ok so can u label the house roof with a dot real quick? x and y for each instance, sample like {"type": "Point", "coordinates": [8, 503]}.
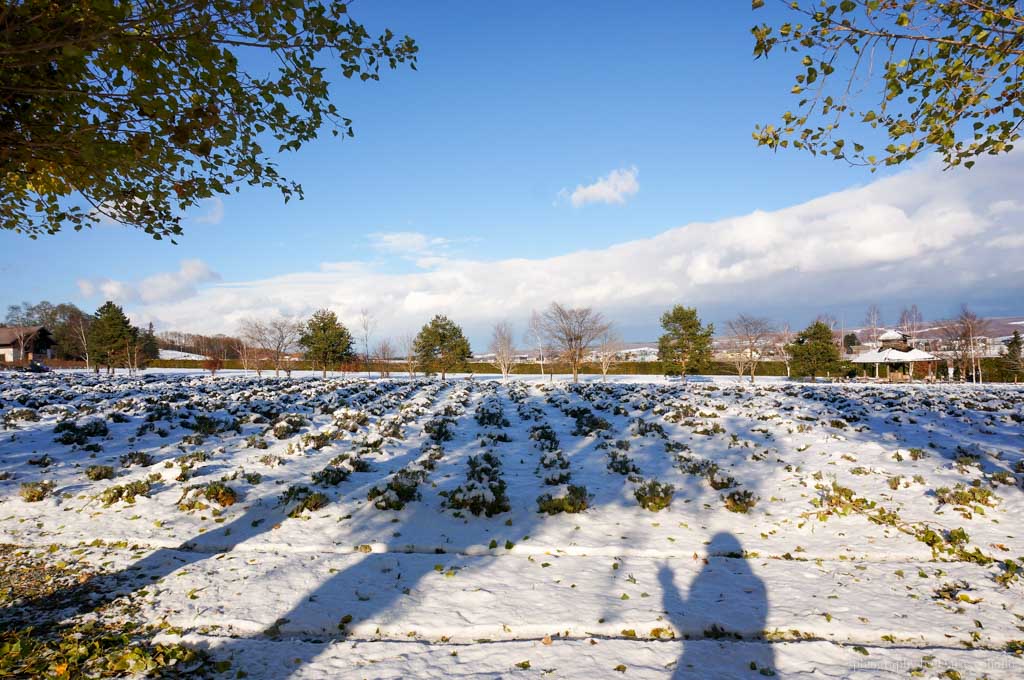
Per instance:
{"type": "Point", "coordinates": [891, 335]}
{"type": "Point", "coordinates": [12, 334]}
{"type": "Point", "coordinates": [892, 356]}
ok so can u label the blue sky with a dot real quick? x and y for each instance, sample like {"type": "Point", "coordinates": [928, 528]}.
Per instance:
{"type": "Point", "coordinates": [477, 153]}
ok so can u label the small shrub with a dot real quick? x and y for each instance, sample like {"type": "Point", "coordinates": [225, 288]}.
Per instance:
{"type": "Point", "coordinates": [98, 472]}
{"type": "Point", "coordinates": [402, 488]}
{"type": "Point", "coordinates": [654, 495]}
{"type": "Point", "coordinates": [740, 500]}
{"type": "Point", "coordinates": [307, 499]}
{"type": "Point", "coordinates": [965, 495]}
{"type": "Point", "coordinates": [330, 476]}
{"type": "Point", "coordinates": [220, 493]}
{"type": "Point", "coordinates": [140, 458]}
{"type": "Point", "coordinates": [33, 492]}
{"type": "Point", "coordinates": [575, 500]}
{"type": "Point", "coordinates": [254, 441]}
{"type": "Point", "coordinates": [126, 492]}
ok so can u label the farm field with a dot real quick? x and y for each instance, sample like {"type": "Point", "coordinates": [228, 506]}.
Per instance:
{"type": "Point", "coordinates": [345, 527]}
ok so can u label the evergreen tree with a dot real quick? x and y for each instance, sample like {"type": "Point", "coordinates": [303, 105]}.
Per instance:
{"type": "Point", "coordinates": [441, 346]}
{"type": "Point", "coordinates": [1014, 358]}
{"type": "Point", "coordinates": [850, 340]}
{"type": "Point", "coordinates": [686, 343]}
{"type": "Point", "coordinates": [111, 336]}
{"type": "Point", "coordinates": [326, 340]}
{"type": "Point", "coordinates": [148, 346]}
{"type": "Point", "coordinates": [813, 351]}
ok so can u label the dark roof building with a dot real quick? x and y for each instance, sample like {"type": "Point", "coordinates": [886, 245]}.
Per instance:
{"type": "Point", "coordinates": [18, 343]}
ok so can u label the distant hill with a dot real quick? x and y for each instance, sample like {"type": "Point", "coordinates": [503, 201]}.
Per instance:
{"type": "Point", "coordinates": [173, 354]}
{"type": "Point", "coordinates": [998, 327]}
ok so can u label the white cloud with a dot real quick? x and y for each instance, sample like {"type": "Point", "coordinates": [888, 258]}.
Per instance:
{"type": "Point", "coordinates": [615, 187]}
{"type": "Point", "coordinates": [158, 288]}
{"type": "Point", "coordinates": [404, 242]}
{"type": "Point", "coordinates": [215, 215]}
{"type": "Point", "coordinates": [917, 236]}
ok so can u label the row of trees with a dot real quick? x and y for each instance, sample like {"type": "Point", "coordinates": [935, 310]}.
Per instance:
{"type": "Point", "coordinates": [571, 336]}
{"type": "Point", "coordinates": [105, 338]}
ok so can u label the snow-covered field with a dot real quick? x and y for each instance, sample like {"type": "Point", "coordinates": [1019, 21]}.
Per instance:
{"type": "Point", "coordinates": [391, 528]}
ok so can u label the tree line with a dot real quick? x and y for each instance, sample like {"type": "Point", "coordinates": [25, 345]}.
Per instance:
{"type": "Point", "coordinates": [102, 339]}
{"type": "Point", "coordinates": [572, 336]}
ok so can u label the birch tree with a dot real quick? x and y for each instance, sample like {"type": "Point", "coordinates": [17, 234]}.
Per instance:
{"type": "Point", "coordinates": [781, 341]}
{"type": "Point", "coordinates": [872, 321]}
{"type": "Point", "coordinates": [407, 346]}
{"type": "Point", "coordinates": [367, 324]}
{"type": "Point", "coordinates": [609, 347]}
{"type": "Point", "coordinates": [503, 348]}
{"type": "Point", "coordinates": [536, 338]}
{"type": "Point", "coordinates": [911, 322]}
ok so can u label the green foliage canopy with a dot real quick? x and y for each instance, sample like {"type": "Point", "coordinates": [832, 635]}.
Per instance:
{"type": "Point", "coordinates": [327, 341]}
{"type": "Point", "coordinates": [136, 111]}
{"type": "Point", "coordinates": [1014, 359]}
{"type": "Point", "coordinates": [686, 343]}
{"type": "Point", "coordinates": [441, 346]}
{"type": "Point", "coordinates": [111, 335]}
{"type": "Point", "coordinates": [932, 75]}
{"type": "Point", "coordinates": [813, 352]}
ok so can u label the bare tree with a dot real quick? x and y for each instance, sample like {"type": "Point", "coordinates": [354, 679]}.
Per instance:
{"type": "Point", "coordinates": [503, 348]}
{"type": "Point", "coordinates": [608, 350]}
{"type": "Point", "coordinates": [407, 345]}
{"type": "Point", "coordinates": [80, 330]}
{"type": "Point", "coordinates": [383, 354]}
{"type": "Point", "coordinates": [911, 322]}
{"type": "Point", "coordinates": [254, 337]}
{"type": "Point", "coordinates": [873, 321]}
{"type": "Point", "coordinates": [535, 336]}
{"type": "Point", "coordinates": [572, 331]}
{"type": "Point", "coordinates": [279, 337]}
{"type": "Point", "coordinates": [781, 341]}
{"type": "Point", "coordinates": [367, 324]}
{"type": "Point", "coordinates": [961, 335]}
{"type": "Point", "coordinates": [749, 334]}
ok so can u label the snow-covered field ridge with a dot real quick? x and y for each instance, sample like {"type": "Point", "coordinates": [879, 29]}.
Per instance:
{"type": "Point", "coordinates": [353, 528]}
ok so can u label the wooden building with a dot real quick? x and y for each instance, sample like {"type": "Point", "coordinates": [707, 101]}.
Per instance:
{"type": "Point", "coordinates": [21, 343]}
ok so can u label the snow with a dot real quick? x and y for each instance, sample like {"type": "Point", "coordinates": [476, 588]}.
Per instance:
{"type": "Point", "coordinates": [801, 585]}
{"type": "Point", "coordinates": [173, 354]}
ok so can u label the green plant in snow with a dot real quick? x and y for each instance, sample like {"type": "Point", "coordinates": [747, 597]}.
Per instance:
{"type": "Point", "coordinates": [654, 495]}
{"type": "Point", "coordinates": [98, 472]}
{"type": "Point", "coordinates": [126, 492]}
{"type": "Point", "coordinates": [739, 500]}
{"type": "Point", "coordinates": [33, 492]}
{"type": "Point", "coordinates": [575, 500]}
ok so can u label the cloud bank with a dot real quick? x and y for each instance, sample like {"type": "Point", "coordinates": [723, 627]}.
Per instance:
{"type": "Point", "coordinates": [918, 236]}
{"type": "Point", "coordinates": [159, 288]}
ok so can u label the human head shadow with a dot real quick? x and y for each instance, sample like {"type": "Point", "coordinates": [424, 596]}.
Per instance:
{"type": "Point", "coordinates": [725, 602]}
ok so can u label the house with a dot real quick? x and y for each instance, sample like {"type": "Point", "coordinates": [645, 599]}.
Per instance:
{"type": "Point", "coordinates": [18, 343]}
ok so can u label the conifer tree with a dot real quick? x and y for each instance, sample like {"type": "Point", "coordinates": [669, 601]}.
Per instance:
{"type": "Point", "coordinates": [110, 336]}
{"type": "Point", "coordinates": [441, 346]}
{"type": "Point", "coordinates": [813, 351]}
{"type": "Point", "coordinates": [686, 344]}
{"type": "Point", "coordinates": [1014, 358]}
{"type": "Point", "coordinates": [326, 340]}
